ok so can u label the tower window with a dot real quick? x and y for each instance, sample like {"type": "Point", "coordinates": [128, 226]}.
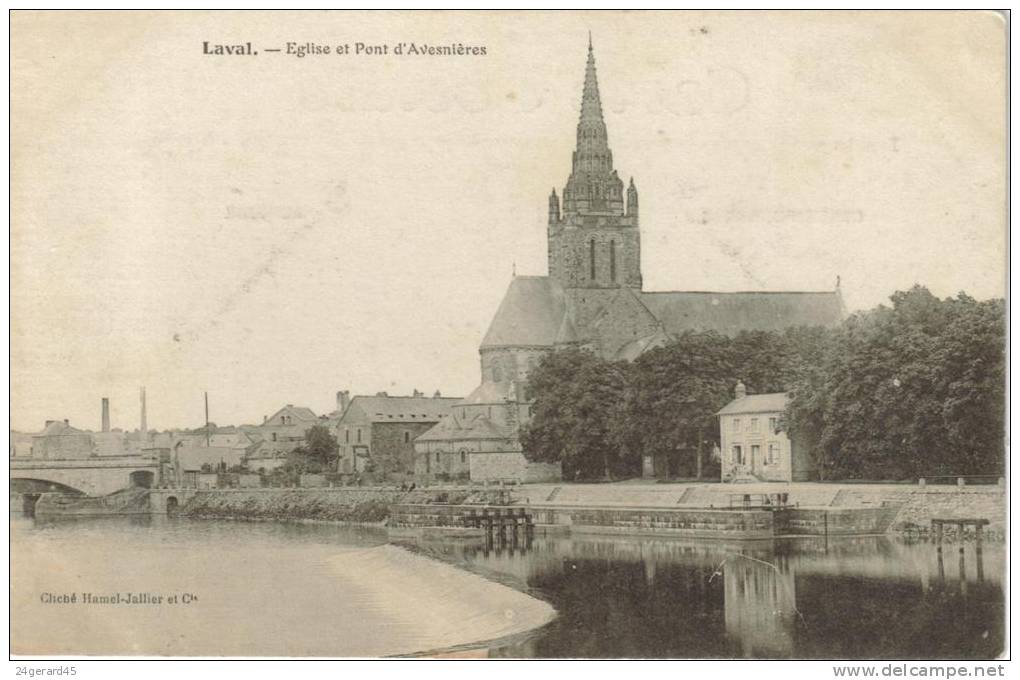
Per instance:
{"type": "Point", "coordinates": [612, 261]}
{"type": "Point", "coordinates": [591, 256]}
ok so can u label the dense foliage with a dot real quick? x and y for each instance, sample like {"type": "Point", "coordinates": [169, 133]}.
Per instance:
{"type": "Point", "coordinates": [912, 390]}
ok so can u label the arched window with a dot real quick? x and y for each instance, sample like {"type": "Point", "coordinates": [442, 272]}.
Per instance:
{"type": "Point", "coordinates": [591, 257]}
{"type": "Point", "coordinates": [463, 455]}
{"type": "Point", "coordinates": [612, 261]}
{"type": "Point", "coordinates": [407, 436]}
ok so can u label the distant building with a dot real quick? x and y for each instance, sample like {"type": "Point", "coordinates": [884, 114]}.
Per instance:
{"type": "Point", "coordinates": [752, 445]}
{"type": "Point", "coordinates": [379, 432]}
{"type": "Point", "coordinates": [60, 441]}
{"type": "Point", "coordinates": [189, 462]}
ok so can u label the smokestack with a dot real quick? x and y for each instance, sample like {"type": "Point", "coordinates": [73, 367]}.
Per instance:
{"type": "Point", "coordinates": [207, 419]}
{"type": "Point", "coordinates": [343, 398]}
{"type": "Point", "coordinates": [145, 428]}
{"type": "Point", "coordinates": [106, 414]}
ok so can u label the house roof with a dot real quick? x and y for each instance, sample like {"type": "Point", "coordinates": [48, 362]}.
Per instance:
{"type": "Point", "coordinates": [301, 412]}
{"type": "Point", "coordinates": [59, 428]}
{"type": "Point", "coordinates": [397, 409]}
{"type": "Point", "coordinates": [530, 314]}
{"type": "Point", "coordinates": [730, 313]}
{"type": "Point", "coordinates": [757, 403]}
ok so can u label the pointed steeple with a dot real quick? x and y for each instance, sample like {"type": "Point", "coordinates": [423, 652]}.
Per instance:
{"type": "Point", "coordinates": [593, 186]}
{"type": "Point", "coordinates": [591, 104]}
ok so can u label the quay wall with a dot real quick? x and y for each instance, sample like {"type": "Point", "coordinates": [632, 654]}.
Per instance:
{"type": "Point", "coordinates": [342, 504]}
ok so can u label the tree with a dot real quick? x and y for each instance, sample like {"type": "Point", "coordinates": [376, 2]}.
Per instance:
{"type": "Point", "coordinates": [321, 445]}
{"type": "Point", "coordinates": [915, 389]}
{"type": "Point", "coordinates": [576, 395]}
{"type": "Point", "coordinates": [675, 392]}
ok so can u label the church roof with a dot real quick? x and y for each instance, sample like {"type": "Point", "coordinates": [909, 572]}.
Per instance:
{"type": "Point", "coordinates": [530, 314]}
{"type": "Point", "coordinates": [488, 393]}
{"type": "Point", "coordinates": [472, 427]}
{"type": "Point", "coordinates": [730, 313]}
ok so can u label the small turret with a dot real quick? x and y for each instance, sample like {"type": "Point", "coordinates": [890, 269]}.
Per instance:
{"type": "Point", "coordinates": [632, 202]}
{"type": "Point", "coordinates": [554, 208]}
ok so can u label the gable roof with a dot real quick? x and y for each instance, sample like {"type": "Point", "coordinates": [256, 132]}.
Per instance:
{"type": "Point", "coordinates": [730, 313]}
{"type": "Point", "coordinates": [530, 314]}
{"type": "Point", "coordinates": [301, 412]}
{"type": "Point", "coordinates": [380, 409]}
{"type": "Point", "coordinates": [472, 427]}
{"type": "Point", "coordinates": [757, 403]}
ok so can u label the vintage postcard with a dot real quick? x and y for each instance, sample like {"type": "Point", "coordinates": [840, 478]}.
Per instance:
{"type": "Point", "coordinates": [633, 334]}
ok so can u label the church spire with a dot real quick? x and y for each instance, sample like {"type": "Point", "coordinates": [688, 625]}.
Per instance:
{"type": "Point", "coordinates": [593, 186]}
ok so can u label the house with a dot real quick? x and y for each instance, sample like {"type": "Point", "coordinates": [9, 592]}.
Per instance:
{"type": "Point", "coordinates": [285, 430]}
{"type": "Point", "coordinates": [753, 447]}
{"type": "Point", "coordinates": [378, 433]}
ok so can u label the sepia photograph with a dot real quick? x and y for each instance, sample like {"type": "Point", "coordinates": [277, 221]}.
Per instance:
{"type": "Point", "coordinates": [510, 335]}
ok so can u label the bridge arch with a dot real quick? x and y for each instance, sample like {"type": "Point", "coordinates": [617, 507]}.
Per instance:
{"type": "Point", "coordinates": [29, 485]}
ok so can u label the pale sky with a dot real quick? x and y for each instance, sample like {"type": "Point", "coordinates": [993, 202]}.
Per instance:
{"type": "Point", "coordinates": [274, 229]}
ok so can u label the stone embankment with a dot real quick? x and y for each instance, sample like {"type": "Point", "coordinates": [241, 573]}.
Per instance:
{"type": "Point", "coordinates": [362, 505]}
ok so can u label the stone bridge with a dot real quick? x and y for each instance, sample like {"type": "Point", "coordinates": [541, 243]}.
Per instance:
{"type": "Point", "coordinates": [91, 476]}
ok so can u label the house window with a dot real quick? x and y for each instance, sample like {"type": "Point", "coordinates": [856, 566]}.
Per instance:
{"type": "Point", "coordinates": [274, 436]}
{"type": "Point", "coordinates": [736, 424]}
{"type": "Point", "coordinates": [755, 453]}
{"type": "Point", "coordinates": [463, 456]}
{"type": "Point", "coordinates": [359, 435]}
{"type": "Point", "coordinates": [612, 261]}
{"type": "Point", "coordinates": [773, 425]}
{"type": "Point", "coordinates": [738, 455]}
{"type": "Point", "coordinates": [754, 424]}
{"type": "Point", "coordinates": [407, 436]}
{"type": "Point", "coordinates": [347, 435]}
{"type": "Point", "coordinates": [773, 452]}
{"type": "Point", "coordinates": [591, 257]}
{"type": "Point", "coordinates": [437, 457]}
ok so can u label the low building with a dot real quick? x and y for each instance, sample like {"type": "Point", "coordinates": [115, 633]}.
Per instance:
{"type": "Point", "coordinates": [378, 433]}
{"type": "Point", "coordinates": [753, 445]}
{"type": "Point", "coordinates": [190, 462]}
{"type": "Point", "coordinates": [478, 442]}
{"type": "Point", "coordinates": [60, 441]}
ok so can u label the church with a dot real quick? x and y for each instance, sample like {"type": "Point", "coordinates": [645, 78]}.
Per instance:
{"type": "Point", "coordinates": [592, 298]}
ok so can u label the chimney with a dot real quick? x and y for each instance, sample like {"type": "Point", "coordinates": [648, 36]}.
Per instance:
{"type": "Point", "coordinates": [343, 398]}
{"type": "Point", "coordinates": [416, 393]}
{"type": "Point", "coordinates": [437, 395]}
{"type": "Point", "coordinates": [264, 419]}
{"type": "Point", "coordinates": [144, 425]}
{"type": "Point", "coordinates": [106, 414]}
{"type": "Point", "coordinates": [66, 422]}
{"type": "Point", "coordinates": [740, 390]}
{"type": "Point", "coordinates": [381, 394]}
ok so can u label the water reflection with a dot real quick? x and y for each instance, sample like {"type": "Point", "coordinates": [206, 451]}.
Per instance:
{"type": "Point", "coordinates": [854, 598]}
{"type": "Point", "coordinates": [867, 597]}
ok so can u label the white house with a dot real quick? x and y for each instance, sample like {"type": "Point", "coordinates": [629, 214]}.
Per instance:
{"type": "Point", "coordinates": [752, 443]}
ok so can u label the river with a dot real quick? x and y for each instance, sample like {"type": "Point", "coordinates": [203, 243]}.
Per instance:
{"type": "Point", "coordinates": [275, 589]}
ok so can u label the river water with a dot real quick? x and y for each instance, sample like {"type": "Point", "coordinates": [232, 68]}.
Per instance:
{"type": "Point", "coordinates": [268, 589]}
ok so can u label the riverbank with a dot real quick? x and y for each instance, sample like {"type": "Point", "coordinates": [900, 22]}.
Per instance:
{"type": "Point", "coordinates": [906, 509]}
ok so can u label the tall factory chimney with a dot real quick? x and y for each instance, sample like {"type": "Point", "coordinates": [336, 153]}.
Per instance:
{"type": "Point", "coordinates": [207, 419]}
{"type": "Point", "coordinates": [106, 414]}
{"type": "Point", "coordinates": [144, 425]}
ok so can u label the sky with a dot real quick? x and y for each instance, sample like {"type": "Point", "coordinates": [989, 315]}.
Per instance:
{"type": "Point", "coordinates": [273, 229]}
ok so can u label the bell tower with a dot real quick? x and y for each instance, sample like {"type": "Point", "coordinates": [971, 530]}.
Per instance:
{"type": "Point", "coordinates": [594, 241]}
